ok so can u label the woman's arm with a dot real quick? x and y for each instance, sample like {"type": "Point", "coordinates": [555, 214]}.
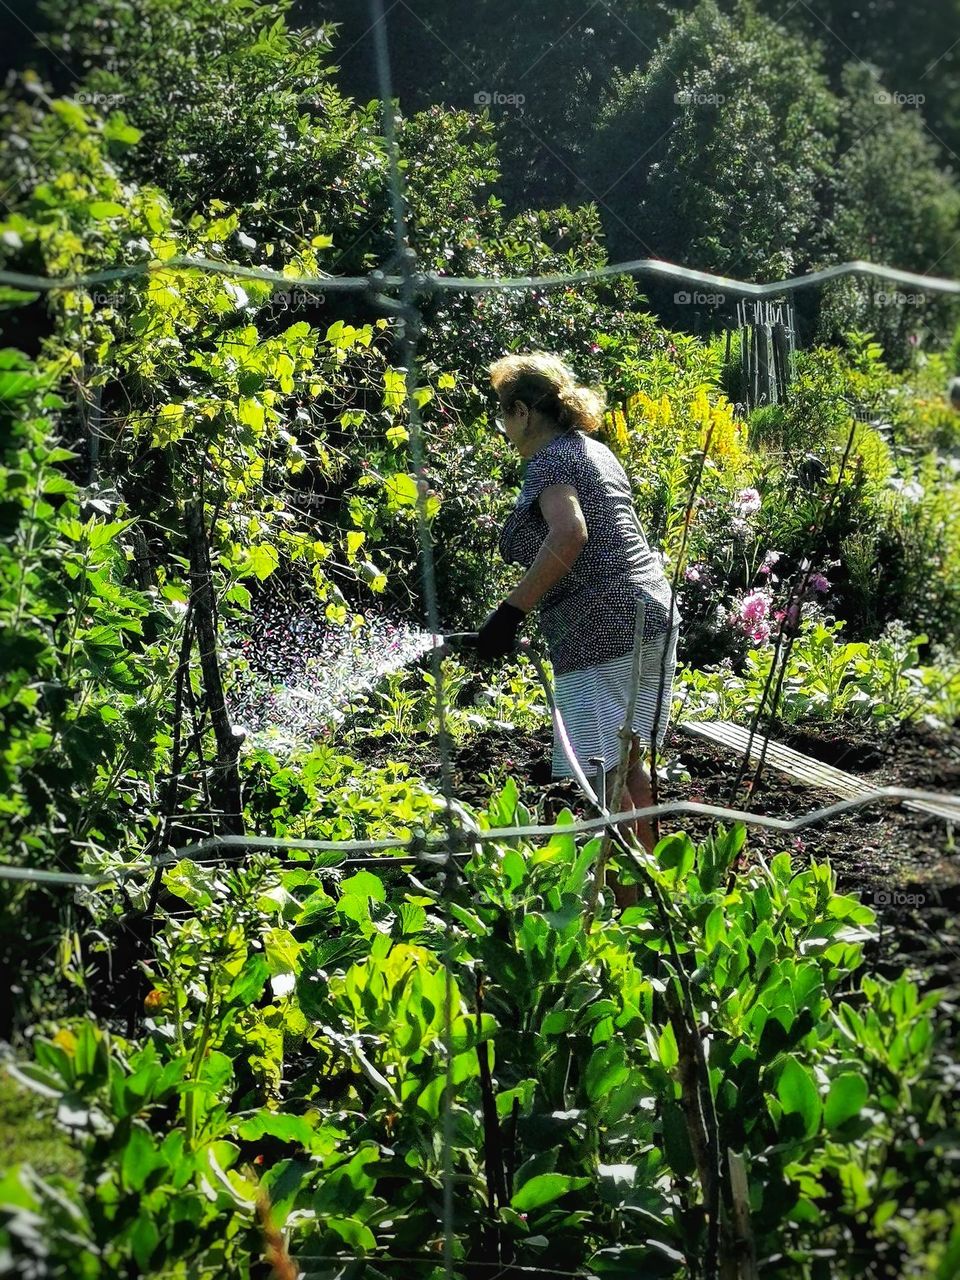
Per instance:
{"type": "Point", "coordinates": [565, 540]}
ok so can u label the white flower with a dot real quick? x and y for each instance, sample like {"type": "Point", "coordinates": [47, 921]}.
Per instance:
{"type": "Point", "coordinates": [747, 502]}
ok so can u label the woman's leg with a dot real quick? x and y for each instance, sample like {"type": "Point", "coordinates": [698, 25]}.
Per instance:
{"type": "Point", "coordinates": [635, 795]}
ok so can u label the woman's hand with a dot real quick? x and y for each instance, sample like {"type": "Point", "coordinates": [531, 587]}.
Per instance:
{"type": "Point", "coordinates": [498, 635]}
{"type": "Point", "coordinates": [567, 535]}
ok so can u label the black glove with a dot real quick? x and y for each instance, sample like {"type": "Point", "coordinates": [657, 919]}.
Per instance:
{"type": "Point", "coordinates": [498, 635]}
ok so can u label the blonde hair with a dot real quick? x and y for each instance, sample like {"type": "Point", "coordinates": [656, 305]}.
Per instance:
{"type": "Point", "coordinates": [544, 381]}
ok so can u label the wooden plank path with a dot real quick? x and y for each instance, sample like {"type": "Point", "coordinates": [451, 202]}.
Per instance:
{"type": "Point", "coordinates": [796, 765]}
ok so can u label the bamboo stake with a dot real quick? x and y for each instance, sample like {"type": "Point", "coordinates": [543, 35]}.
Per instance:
{"type": "Point", "coordinates": [740, 1262]}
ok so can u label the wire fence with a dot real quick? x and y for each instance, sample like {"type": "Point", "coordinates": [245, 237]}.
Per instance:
{"type": "Point", "coordinates": [377, 282]}
{"type": "Point", "coordinates": [463, 837]}
{"type": "Point", "coordinates": [436, 850]}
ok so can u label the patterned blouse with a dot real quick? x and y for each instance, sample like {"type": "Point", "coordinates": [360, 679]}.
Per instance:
{"type": "Point", "coordinates": [589, 615]}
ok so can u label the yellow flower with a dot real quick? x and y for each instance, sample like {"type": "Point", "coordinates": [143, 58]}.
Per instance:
{"type": "Point", "coordinates": [155, 1000]}
{"type": "Point", "coordinates": [65, 1040]}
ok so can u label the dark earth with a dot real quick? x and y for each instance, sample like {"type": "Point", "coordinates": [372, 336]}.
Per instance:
{"type": "Point", "coordinates": [904, 864]}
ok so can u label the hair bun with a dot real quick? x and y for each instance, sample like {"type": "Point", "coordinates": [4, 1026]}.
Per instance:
{"type": "Point", "coordinates": [581, 408]}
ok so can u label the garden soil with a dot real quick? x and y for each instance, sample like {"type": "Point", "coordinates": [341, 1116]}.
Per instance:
{"type": "Point", "coordinates": [904, 864]}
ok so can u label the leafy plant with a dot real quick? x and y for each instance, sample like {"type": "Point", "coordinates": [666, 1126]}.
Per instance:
{"type": "Point", "coordinates": [880, 680]}
{"type": "Point", "coordinates": [348, 1046]}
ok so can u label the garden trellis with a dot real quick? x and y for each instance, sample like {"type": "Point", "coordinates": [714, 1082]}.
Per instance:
{"type": "Point", "coordinates": [397, 290]}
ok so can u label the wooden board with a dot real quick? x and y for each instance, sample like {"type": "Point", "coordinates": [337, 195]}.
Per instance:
{"type": "Point", "coordinates": [804, 768]}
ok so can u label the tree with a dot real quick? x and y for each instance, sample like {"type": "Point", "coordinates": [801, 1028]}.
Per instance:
{"type": "Point", "coordinates": [913, 47]}
{"type": "Point", "coordinates": [890, 203]}
{"type": "Point", "coordinates": [551, 65]}
{"type": "Point", "coordinates": [715, 156]}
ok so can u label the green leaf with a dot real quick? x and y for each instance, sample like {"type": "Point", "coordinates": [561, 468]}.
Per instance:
{"type": "Point", "coordinates": [616, 1181]}
{"type": "Point", "coordinates": [188, 881]}
{"type": "Point", "coordinates": [286, 1128]}
{"type": "Point", "coordinates": [238, 594]}
{"type": "Point", "coordinates": [715, 928]}
{"type": "Point", "coordinates": [676, 853]}
{"type": "Point", "coordinates": [847, 1095]}
{"type": "Point", "coordinates": [140, 1157]}
{"type": "Point", "coordinates": [366, 885]}
{"type": "Point", "coordinates": [352, 1232]}
{"type": "Point", "coordinates": [544, 1190]}
{"type": "Point", "coordinates": [72, 113]}
{"type": "Point", "coordinates": [13, 385]}
{"type": "Point", "coordinates": [250, 981]}
{"type": "Point", "coordinates": [345, 1188]}
{"type": "Point", "coordinates": [401, 491]}
{"type": "Point", "coordinates": [667, 1048]}
{"type": "Point", "coordinates": [117, 130]}
{"type": "Point", "coordinates": [577, 874]}
{"type": "Point", "coordinates": [144, 1238]}
{"type": "Point", "coordinates": [103, 209]}
{"type": "Point", "coordinates": [263, 559]}
{"type": "Point", "coordinates": [282, 952]}
{"type": "Point", "coordinates": [394, 388]}
{"type": "Point", "coordinates": [606, 1069]}
{"type": "Point", "coordinates": [282, 1182]}
{"type": "Point", "coordinates": [798, 1094]}
{"type": "Point", "coordinates": [15, 297]}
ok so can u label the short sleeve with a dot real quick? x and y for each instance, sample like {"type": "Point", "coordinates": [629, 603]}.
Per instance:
{"type": "Point", "coordinates": [553, 465]}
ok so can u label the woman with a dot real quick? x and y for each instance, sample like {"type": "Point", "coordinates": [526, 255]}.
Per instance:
{"type": "Point", "coordinates": [588, 565]}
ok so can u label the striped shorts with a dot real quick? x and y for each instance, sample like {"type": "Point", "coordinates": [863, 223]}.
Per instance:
{"type": "Point", "coordinates": [593, 704]}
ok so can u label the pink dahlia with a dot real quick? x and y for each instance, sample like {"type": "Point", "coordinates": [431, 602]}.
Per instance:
{"type": "Point", "coordinates": [755, 607]}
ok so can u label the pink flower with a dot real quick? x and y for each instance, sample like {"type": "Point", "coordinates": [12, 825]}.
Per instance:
{"type": "Point", "coordinates": [755, 607]}
{"type": "Point", "coordinates": [691, 574]}
{"type": "Point", "coordinates": [819, 582]}
{"type": "Point", "coordinates": [760, 633]}
{"type": "Point", "coordinates": [746, 502]}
